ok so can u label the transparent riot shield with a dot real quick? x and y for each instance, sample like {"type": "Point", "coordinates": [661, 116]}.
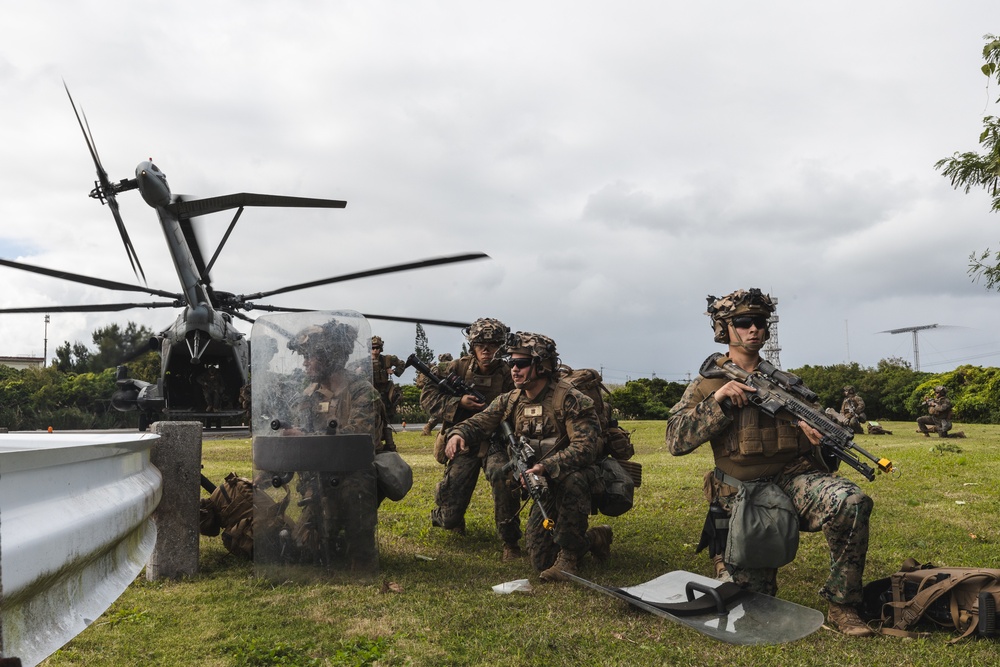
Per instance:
{"type": "Point", "coordinates": [315, 427]}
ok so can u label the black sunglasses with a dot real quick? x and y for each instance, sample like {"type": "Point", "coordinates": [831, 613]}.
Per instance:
{"type": "Point", "coordinates": [520, 362]}
{"type": "Point", "coordinates": [744, 322]}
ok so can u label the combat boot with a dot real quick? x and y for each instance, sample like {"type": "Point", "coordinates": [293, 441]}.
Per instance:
{"type": "Point", "coordinates": [600, 538]}
{"type": "Point", "coordinates": [564, 562]}
{"type": "Point", "coordinates": [511, 552]}
{"type": "Point", "coordinates": [844, 618]}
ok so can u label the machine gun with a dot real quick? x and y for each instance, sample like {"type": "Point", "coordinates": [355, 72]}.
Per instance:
{"type": "Point", "coordinates": [781, 392]}
{"type": "Point", "coordinates": [452, 384]}
{"type": "Point", "coordinates": [522, 456]}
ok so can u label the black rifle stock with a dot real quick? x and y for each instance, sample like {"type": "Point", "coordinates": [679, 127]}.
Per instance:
{"type": "Point", "coordinates": [781, 392]}
{"type": "Point", "coordinates": [522, 455]}
{"type": "Point", "coordinates": [452, 384]}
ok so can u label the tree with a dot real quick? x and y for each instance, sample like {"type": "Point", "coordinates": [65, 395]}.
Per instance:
{"type": "Point", "coordinates": [113, 346]}
{"type": "Point", "coordinates": [971, 169]}
{"type": "Point", "coordinates": [421, 348]}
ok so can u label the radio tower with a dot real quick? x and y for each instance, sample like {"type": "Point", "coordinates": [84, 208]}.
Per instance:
{"type": "Point", "coordinates": [772, 349]}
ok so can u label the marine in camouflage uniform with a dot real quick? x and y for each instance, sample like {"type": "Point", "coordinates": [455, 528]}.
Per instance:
{"type": "Point", "coordinates": [491, 377]}
{"type": "Point", "coordinates": [940, 410]}
{"type": "Point", "coordinates": [444, 360]}
{"type": "Point", "coordinates": [333, 393]}
{"type": "Point", "coordinates": [853, 410]}
{"type": "Point", "coordinates": [750, 445]}
{"type": "Point", "coordinates": [567, 441]}
{"type": "Point", "coordinates": [382, 366]}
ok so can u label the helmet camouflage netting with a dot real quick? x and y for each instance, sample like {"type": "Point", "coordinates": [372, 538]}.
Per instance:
{"type": "Point", "coordinates": [537, 346]}
{"type": "Point", "coordinates": [740, 302]}
{"type": "Point", "coordinates": [486, 330]}
{"type": "Point", "coordinates": [333, 341]}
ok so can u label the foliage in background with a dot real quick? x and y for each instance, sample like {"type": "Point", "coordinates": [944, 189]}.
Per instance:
{"type": "Point", "coordinates": [112, 346]}
{"type": "Point", "coordinates": [645, 398]}
{"type": "Point", "coordinates": [974, 170]}
{"type": "Point", "coordinates": [886, 389]}
{"type": "Point", "coordinates": [422, 348]}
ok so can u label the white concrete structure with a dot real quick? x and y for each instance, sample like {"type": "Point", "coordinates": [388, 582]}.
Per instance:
{"type": "Point", "coordinates": [75, 531]}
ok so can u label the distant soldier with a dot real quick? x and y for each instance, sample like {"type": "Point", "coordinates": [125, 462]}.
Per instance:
{"type": "Point", "coordinates": [213, 388]}
{"type": "Point", "coordinates": [853, 410]}
{"type": "Point", "coordinates": [940, 409]}
{"type": "Point", "coordinates": [443, 361]}
{"type": "Point", "coordinates": [382, 365]}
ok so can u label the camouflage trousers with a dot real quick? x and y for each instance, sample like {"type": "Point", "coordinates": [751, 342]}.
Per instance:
{"type": "Point", "coordinates": [568, 505]}
{"type": "Point", "coordinates": [837, 507]}
{"type": "Point", "coordinates": [339, 518]}
{"type": "Point", "coordinates": [454, 493]}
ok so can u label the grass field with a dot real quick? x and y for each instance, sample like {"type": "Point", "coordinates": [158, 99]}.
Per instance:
{"type": "Point", "coordinates": [433, 602]}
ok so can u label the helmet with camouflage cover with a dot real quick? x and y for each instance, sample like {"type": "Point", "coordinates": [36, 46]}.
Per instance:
{"type": "Point", "coordinates": [741, 302]}
{"type": "Point", "coordinates": [377, 342]}
{"type": "Point", "coordinates": [331, 343]}
{"type": "Point", "coordinates": [541, 348]}
{"type": "Point", "coordinates": [445, 356]}
{"type": "Point", "coordinates": [848, 390]}
{"type": "Point", "coordinates": [486, 330]}
{"type": "Point", "coordinates": [941, 390]}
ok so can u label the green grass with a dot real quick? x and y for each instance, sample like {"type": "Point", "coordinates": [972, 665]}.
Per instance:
{"type": "Point", "coordinates": [943, 509]}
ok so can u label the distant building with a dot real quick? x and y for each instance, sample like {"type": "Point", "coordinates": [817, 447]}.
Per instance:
{"type": "Point", "coordinates": [23, 362]}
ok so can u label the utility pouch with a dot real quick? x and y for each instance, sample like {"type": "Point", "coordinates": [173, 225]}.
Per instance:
{"type": "Point", "coordinates": [763, 527]}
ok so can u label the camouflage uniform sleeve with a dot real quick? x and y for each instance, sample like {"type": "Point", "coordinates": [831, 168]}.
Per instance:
{"type": "Point", "coordinates": [583, 429]}
{"type": "Point", "coordinates": [481, 425]}
{"type": "Point", "coordinates": [439, 403]}
{"type": "Point", "coordinates": [367, 412]}
{"type": "Point", "coordinates": [397, 364]}
{"type": "Point", "coordinates": [695, 419]}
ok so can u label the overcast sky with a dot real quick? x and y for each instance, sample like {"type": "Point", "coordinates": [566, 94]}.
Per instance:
{"type": "Point", "coordinates": [617, 161]}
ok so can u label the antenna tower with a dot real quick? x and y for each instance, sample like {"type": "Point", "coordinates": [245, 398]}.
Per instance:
{"type": "Point", "coordinates": [916, 347]}
{"type": "Point", "coordinates": [772, 349]}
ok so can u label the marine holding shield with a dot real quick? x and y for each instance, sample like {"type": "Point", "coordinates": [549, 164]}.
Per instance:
{"type": "Point", "coordinates": [759, 454]}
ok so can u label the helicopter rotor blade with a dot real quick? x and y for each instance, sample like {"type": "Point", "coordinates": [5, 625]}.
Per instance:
{"type": "Point", "coordinates": [388, 318]}
{"type": "Point", "coordinates": [87, 280]}
{"type": "Point", "coordinates": [90, 308]}
{"type": "Point", "coordinates": [105, 191]}
{"type": "Point", "coordinates": [371, 272]}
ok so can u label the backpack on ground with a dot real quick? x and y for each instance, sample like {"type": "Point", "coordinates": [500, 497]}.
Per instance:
{"type": "Point", "coordinates": [229, 510]}
{"type": "Point", "coordinates": [961, 599]}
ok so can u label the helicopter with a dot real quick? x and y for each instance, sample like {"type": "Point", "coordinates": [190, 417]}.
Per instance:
{"type": "Point", "coordinates": [202, 353]}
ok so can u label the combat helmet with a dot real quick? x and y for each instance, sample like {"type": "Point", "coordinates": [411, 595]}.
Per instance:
{"type": "Point", "coordinates": [741, 302]}
{"type": "Point", "coordinates": [377, 342]}
{"type": "Point", "coordinates": [849, 390]}
{"type": "Point", "coordinates": [486, 330]}
{"type": "Point", "coordinates": [331, 343]}
{"type": "Point", "coordinates": [941, 390]}
{"type": "Point", "coordinates": [445, 356]}
{"type": "Point", "coordinates": [541, 348]}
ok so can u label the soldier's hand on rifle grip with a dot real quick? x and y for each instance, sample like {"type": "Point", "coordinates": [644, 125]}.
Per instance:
{"type": "Point", "coordinates": [455, 444]}
{"type": "Point", "coordinates": [815, 437]}
{"type": "Point", "coordinates": [470, 403]}
{"type": "Point", "coordinates": [735, 391]}
{"type": "Point", "coordinates": [537, 470]}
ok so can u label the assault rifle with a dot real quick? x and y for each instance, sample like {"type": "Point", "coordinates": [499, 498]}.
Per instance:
{"type": "Point", "coordinates": [452, 384]}
{"type": "Point", "coordinates": [781, 392]}
{"type": "Point", "coordinates": [522, 456]}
